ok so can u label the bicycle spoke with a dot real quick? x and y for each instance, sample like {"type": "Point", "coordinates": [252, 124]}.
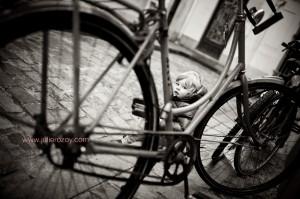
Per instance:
{"type": "Point", "coordinates": [122, 80]}
{"type": "Point", "coordinates": [93, 86]}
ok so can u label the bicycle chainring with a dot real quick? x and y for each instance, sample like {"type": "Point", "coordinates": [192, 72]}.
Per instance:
{"type": "Point", "coordinates": [180, 159]}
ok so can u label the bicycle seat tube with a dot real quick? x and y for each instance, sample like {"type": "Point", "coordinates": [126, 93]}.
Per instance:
{"type": "Point", "coordinates": [163, 38]}
{"type": "Point", "coordinates": [245, 117]}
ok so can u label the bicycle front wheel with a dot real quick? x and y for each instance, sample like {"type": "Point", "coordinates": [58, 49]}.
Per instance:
{"type": "Point", "coordinates": [42, 97]}
{"type": "Point", "coordinates": [221, 133]}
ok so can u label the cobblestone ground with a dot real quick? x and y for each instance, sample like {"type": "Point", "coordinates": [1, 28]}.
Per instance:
{"type": "Point", "coordinates": [25, 173]}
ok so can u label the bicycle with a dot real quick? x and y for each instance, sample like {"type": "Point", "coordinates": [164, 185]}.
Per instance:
{"type": "Point", "coordinates": [128, 47]}
{"type": "Point", "coordinates": [277, 116]}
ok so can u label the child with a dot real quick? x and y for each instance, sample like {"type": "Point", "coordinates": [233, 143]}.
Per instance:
{"type": "Point", "coordinates": [188, 88]}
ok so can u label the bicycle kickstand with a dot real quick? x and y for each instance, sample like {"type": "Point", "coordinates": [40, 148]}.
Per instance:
{"type": "Point", "coordinates": [186, 188]}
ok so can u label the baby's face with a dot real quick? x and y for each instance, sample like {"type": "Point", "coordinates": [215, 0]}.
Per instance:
{"type": "Point", "coordinates": [181, 91]}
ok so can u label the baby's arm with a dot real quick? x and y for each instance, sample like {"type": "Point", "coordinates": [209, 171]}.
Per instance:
{"type": "Point", "coordinates": [183, 122]}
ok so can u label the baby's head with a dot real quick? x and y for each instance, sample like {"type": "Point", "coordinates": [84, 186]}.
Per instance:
{"type": "Point", "coordinates": [187, 85]}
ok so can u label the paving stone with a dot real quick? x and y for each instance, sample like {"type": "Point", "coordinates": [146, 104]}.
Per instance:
{"type": "Point", "coordinates": [11, 183]}
{"type": "Point", "coordinates": [29, 84]}
{"type": "Point", "coordinates": [21, 95]}
{"type": "Point", "coordinates": [50, 182]}
{"type": "Point", "coordinates": [5, 124]}
{"type": "Point", "coordinates": [205, 193]}
{"type": "Point", "coordinates": [117, 118]}
{"type": "Point", "coordinates": [33, 108]}
{"type": "Point", "coordinates": [13, 149]}
{"type": "Point", "coordinates": [7, 103]}
{"type": "Point", "coordinates": [6, 81]}
{"type": "Point", "coordinates": [18, 139]}
{"type": "Point", "coordinates": [10, 69]}
{"type": "Point", "coordinates": [23, 54]}
{"type": "Point", "coordinates": [6, 55]}
{"type": "Point", "coordinates": [6, 166]}
{"type": "Point", "coordinates": [104, 191]}
{"type": "Point", "coordinates": [4, 132]}
{"type": "Point", "coordinates": [34, 75]}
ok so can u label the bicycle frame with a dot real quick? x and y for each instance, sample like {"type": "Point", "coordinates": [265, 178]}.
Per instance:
{"type": "Point", "coordinates": [205, 103]}
{"type": "Point", "coordinates": [223, 82]}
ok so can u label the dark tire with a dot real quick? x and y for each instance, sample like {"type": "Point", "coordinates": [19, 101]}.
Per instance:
{"type": "Point", "coordinates": [255, 110]}
{"type": "Point", "coordinates": [219, 124]}
{"type": "Point", "coordinates": [26, 24]}
{"type": "Point", "coordinates": [272, 125]}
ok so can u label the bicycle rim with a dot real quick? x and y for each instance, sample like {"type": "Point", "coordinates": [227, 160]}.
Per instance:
{"type": "Point", "coordinates": [221, 121]}
{"type": "Point", "coordinates": [101, 43]}
{"type": "Point", "coordinates": [272, 125]}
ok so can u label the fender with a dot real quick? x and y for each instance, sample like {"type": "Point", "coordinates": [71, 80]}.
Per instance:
{"type": "Point", "coordinates": [12, 19]}
{"type": "Point", "coordinates": [270, 79]}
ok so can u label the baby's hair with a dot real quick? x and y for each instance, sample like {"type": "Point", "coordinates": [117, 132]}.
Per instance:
{"type": "Point", "coordinates": [192, 79]}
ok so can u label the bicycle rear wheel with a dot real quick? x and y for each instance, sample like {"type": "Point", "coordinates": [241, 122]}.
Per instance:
{"type": "Point", "coordinates": [103, 43]}
{"type": "Point", "coordinates": [255, 110]}
{"type": "Point", "coordinates": [221, 133]}
{"type": "Point", "coordinates": [273, 127]}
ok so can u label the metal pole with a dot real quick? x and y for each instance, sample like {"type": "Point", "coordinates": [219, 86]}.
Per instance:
{"type": "Point", "coordinates": [167, 85]}
{"type": "Point", "coordinates": [76, 64]}
{"type": "Point", "coordinates": [45, 62]}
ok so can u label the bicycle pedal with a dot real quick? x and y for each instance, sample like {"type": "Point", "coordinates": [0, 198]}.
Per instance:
{"type": "Point", "coordinates": [138, 107]}
{"type": "Point", "coordinates": [138, 102]}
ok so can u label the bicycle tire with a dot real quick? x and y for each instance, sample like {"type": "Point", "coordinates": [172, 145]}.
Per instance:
{"type": "Point", "coordinates": [57, 15]}
{"type": "Point", "coordinates": [221, 175]}
{"type": "Point", "coordinates": [273, 128]}
{"type": "Point", "coordinates": [255, 109]}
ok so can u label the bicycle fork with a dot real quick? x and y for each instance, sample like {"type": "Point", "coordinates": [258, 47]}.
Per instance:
{"type": "Point", "coordinates": [243, 109]}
